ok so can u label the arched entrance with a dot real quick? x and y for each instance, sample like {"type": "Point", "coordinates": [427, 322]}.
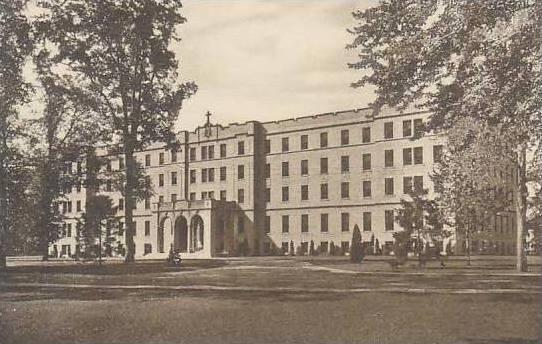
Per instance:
{"type": "Point", "coordinates": [165, 225]}
{"type": "Point", "coordinates": [180, 237]}
{"type": "Point", "coordinates": [196, 233]}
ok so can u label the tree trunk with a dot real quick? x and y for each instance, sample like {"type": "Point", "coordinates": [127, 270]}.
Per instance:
{"type": "Point", "coordinates": [520, 205]}
{"type": "Point", "coordinates": [129, 202]}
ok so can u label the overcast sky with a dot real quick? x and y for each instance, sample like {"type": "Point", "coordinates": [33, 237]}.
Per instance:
{"type": "Point", "coordinates": [267, 59]}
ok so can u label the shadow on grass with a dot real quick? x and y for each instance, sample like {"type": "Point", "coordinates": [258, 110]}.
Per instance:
{"type": "Point", "coordinates": [24, 294]}
{"type": "Point", "coordinates": [502, 341]}
{"type": "Point", "coordinates": [114, 268]}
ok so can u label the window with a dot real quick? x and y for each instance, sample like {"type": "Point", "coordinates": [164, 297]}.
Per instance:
{"type": "Point", "coordinates": [173, 198]}
{"type": "Point", "coordinates": [268, 195]}
{"type": "Point", "coordinates": [388, 158]}
{"type": "Point", "coordinates": [161, 158]}
{"type": "Point", "coordinates": [407, 128]}
{"type": "Point", "coordinates": [241, 148]}
{"type": "Point", "coordinates": [223, 173]}
{"type": "Point", "coordinates": [192, 154]}
{"type": "Point", "coordinates": [304, 167]}
{"type": "Point", "coordinates": [147, 203]}
{"type": "Point", "coordinates": [80, 166]}
{"type": "Point", "coordinates": [388, 186]}
{"type": "Point", "coordinates": [418, 127]}
{"type": "Point", "coordinates": [345, 222]}
{"type": "Point", "coordinates": [267, 171]}
{"type": "Point", "coordinates": [78, 206]}
{"type": "Point", "coordinates": [211, 152]}
{"type": "Point", "coordinates": [345, 164]}
{"type": "Point", "coordinates": [192, 196]}
{"type": "Point", "coordinates": [147, 228]}
{"type": "Point", "coordinates": [304, 223]}
{"type": "Point", "coordinates": [160, 180]}
{"type": "Point", "coordinates": [241, 195]}
{"type": "Point", "coordinates": [285, 169]}
{"type": "Point", "coordinates": [324, 223]}
{"type": "Point", "coordinates": [418, 155]}
{"type": "Point", "coordinates": [324, 245]}
{"type": "Point", "coordinates": [223, 150]}
{"type": "Point", "coordinates": [323, 166]}
{"type": "Point", "coordinates": [323, 191]}
{"type": "Point", "coordinates": [285, 194]}
{"type": "Point", "coordinates": [192, 176]}
{"type": "Point", "coordinates": [285, 144]}
{"type": "Point", "coordinates": [268, 224]}
{"type": "Point", "coordinates": [407, 185]}
{"type": "Point", "coordinates": [134, 226]}
{"type": "Point", "coordinates": [366, 161]}
{"type": "Point", "coordinates": [108, 167]}
{"type": "Point", "coordinates": [121, 164]}
{"type": "Point", "coordinates": [211, 175]}
{"type": "Point", "coordinates": [78, 187]}
{"type": "Point", "coordinates": [367, 221]}
{"type": "Point", "coordinates": [366, 135]}
{"type": "Point", "coordinates": [173, 178]}
{"type": "Point", "coordinates": [323, 140]}
{"type": "Point", "coordinates": [388, 220]}
{"type": "Point", "coordinates": [173, 155]}
{"type": "Point", "coordinates": [211, 195]}
{"type": "Point", "coordinates": [285, 223]}
{"type": "Point", "coordinates": [388, 130]}
{"type": "Point", "coordinates": [121, 204]}
{"type": "Point", "coordinates": [267, 146]}
{"type": "Point", "coordinates": [437, 153]}
{"type": "Point", "coordinates": [366, 186]}
{"type": "Point", "coordinates": [345, 139]}
{"type": "Point", "coordinates": [304, 141]}
{"type": "Point", "coordinates": [161, 199]}
{"type": "Point", "coordinates": [285, 246]}
{"type": "Point", "coordinates": [204, 153]}
{"type": "Point", "coordinates": [69, 234]}
{"type": "Point", "coordinates": [241, 172]}
{"type": "Point", "coordinates": [147, 159]}
{"type": "Point", "coordinates": [418, 183]}
{"type": "Point", "coordinates": [407, 156]}
{"type": "Point", "coordinates": [345, 190]}
{"type": "Point", "coordinates": [204, 175]}
{"type": "Point", "coordinates": [222, 195]}
{"type": "Point", "coordinates": [304, 192]}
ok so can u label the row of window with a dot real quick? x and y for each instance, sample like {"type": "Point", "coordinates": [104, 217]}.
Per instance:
{"type": "Point", "coordinates": [345, 135]}
{"type": "Point", "coordinates": [305, 225]}
{"type": "Point", "coordinates": [409, 184]}
{"type": "Point", "coordinates": [67, 229]}
{"type": "Point", "coordinates": [208, 152]}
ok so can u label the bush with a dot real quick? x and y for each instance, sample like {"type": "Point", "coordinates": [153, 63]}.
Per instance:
{"type": "Point", "coordinates": [356, 248]}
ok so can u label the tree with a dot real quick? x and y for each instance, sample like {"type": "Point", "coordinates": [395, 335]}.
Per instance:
{"type": "Point", "coordinates": [420, 218]}
{"type": "Point", "coordinates": [15, 47]}
{"type": "Point", "coordinates": [476, 172]}
{"type": "Point", "coordinates": [292, 248]}
{"type": "Point", "coordinates": [98, 227]}
{"type": "Point", "coordinates": [311, 248]}
{"type": "Point", "coordinates": [459, 59]}
{"type": "Point", "coordinates": [356, 249]}
{"type": "Point", "coordinates": [119, 53]}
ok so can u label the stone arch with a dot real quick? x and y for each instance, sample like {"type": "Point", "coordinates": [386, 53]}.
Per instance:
{"type": "Point", "coordinates": [197, 229]}
{"type": "Point", "coordinates": [180, 235]}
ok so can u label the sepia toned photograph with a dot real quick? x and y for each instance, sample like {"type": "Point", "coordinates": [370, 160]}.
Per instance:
{"type": "Point", "coordinates": [270, 171]}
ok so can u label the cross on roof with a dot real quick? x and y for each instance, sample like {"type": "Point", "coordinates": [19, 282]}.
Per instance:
{"type": "Point", "coordinates": [208, 115]}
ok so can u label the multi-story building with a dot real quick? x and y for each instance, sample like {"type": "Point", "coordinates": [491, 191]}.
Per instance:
{"type": "Point", "coordinates": [263, 187]}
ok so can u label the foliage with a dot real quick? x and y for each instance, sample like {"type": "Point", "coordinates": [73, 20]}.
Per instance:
{"type": "Point", "coordinates": [98, 228]}
{"type": "Point", "coordinates": [15, 47]}
{"type": "Point", "coordinates": [462, 59]}
{"type": "Point", "coordinates": [118, 53]}
{"type": "Point", "coordinates": [356, 248]}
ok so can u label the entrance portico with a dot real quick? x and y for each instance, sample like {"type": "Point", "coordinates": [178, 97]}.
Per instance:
{"type": "Point", "coordinates": [196, 229]}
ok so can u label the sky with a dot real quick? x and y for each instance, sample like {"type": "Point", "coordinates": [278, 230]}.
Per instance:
{"type": "Point", "coordinates": [267, 59]}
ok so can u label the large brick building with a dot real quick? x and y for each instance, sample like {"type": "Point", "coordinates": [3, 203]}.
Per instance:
{"type": "Point", "coordinates": [260, 187]}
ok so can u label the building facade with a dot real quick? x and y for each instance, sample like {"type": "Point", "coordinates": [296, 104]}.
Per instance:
{"type": "Point", "coordinates": [262, 188]}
